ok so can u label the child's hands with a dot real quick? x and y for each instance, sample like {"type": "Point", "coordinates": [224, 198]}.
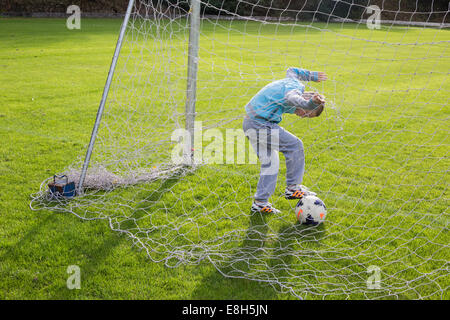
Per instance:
{"type": "Point", "coordinates": [308, 95]}
{"type": "Point", "coordinates": [322, 76]}
{"type": "Point", "coordinates": [318, 99]}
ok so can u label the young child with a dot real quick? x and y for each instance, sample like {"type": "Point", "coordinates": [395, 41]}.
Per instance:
{"type": "Point", "coordinates": [264, 112]}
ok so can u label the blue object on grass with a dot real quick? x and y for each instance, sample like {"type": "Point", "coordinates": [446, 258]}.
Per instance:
{"type": "Point", "coordinates": [61, 187]}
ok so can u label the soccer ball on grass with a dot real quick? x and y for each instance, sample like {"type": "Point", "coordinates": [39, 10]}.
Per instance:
{"type": "Point", "coordinates": [310, 210]}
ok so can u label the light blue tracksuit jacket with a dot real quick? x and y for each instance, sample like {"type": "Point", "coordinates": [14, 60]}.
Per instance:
{"type": "Point", "coordinates": [264, 112]}
{"type": "Point", "coordinates": [282, 96]}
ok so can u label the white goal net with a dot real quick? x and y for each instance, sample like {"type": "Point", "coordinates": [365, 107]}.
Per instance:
{"type": "Point", "coordinates": [377, 156]}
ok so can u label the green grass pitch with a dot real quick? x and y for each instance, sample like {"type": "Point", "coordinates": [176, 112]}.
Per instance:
{"type": "Point", "coordinates": [50, 85]}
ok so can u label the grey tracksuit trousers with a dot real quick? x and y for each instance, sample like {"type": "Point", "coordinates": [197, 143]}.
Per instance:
{"type": "Point", "coordinates": [267, 139]}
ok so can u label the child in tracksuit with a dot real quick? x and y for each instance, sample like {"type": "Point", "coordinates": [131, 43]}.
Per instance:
{"type": "Point", "coordinates": [264, 112]}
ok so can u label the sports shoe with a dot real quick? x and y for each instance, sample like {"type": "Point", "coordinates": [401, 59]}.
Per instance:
{"type": "Point", "coordinates": [264, 208]}
{"type": "Point", "coordinates": [297, 192]}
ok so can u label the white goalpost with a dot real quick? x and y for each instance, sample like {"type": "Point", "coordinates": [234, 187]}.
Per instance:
{"type": "Point", "coordinates": [181, 75]}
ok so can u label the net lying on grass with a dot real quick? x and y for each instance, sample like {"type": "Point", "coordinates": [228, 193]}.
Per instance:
{"type": "Point", "coordinates": [377, 156]}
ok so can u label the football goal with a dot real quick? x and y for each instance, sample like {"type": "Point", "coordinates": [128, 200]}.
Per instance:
{"type": "Point", "coordinates": [168, 164]}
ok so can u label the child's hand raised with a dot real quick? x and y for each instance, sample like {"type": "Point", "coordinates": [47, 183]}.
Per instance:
{"type": "Point", "coordinates": [322, 76]}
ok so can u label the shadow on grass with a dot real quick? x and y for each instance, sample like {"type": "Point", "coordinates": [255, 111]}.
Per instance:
{"type": "Point", "coordinates": [46, 250]}
{"type": "Point", "coordinates": [217, 286]}
{"type": "Point", "coordinates": [96, 255]}
{"type": "Point", "coordinates": [256, 248]}
{"type": "Point", "coordinates": [229, 280]}
{"type": "Point", "coordinates": [132, 222]}
{"type": "Point", "coordinates": [54, 241]}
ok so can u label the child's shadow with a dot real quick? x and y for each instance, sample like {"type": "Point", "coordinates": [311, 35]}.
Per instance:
{"type": "Point", "coordinates": [229, 280]}
{"type": "Point", "coordinates": [290, 257]}
{"type": "Point", "coordinates": [271, 256]}
{"type": "Point", "coordinates": [291, 252]}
